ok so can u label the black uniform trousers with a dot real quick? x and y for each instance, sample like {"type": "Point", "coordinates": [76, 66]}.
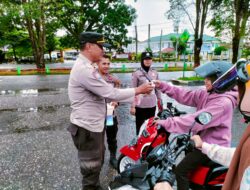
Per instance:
{"type": "Point", "coordinates": [111, 132]}
{"type": "Point", "coordinates": [191, 161]}
{"type": "Point", "coordinates": [142, 114]}
{"type": "Point", "coordinates": [90, 146]}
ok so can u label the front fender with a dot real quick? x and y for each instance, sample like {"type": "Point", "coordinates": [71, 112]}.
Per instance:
{"type": "Point", "coordinates": [130, 152]}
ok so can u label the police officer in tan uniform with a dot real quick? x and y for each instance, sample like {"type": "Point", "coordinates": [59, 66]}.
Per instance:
{"type": "Point", "coordinates": [144, 106]}
{"type": "Point", "coordinates": [112, 122]}
{"type": "Point", "coordinates": [87, 93]}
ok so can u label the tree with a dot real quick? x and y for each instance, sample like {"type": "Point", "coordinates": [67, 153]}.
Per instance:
{"type": "Point", "coordinates": [52, 43]}
{"type": "Point", "coordinates": [18, 42]}
{"type": "Point", "coordinates": [181, 42]}
{"type": "Point", "coordinates": [31, 15]}
{"type": "Point", "coordinates": [201, 9]}
{"type": "Point", "coordinates": [219, 49]}
{"type": "Point", "coordinates": [234, 20]}
{"type": "Point", "coordinates": [109, 17]}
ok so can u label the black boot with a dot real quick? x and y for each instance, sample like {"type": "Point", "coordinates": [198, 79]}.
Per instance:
{"type": "Point", "coordinates": [113, 161]}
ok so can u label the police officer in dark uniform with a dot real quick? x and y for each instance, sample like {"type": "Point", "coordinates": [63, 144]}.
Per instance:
{"type": "Point", "coordinates": [88, 92]}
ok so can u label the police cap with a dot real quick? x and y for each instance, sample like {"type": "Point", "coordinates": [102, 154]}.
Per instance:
{"type": "Point", "coordinates": [93, 37]}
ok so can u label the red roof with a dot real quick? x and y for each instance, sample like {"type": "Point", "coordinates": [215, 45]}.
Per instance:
{"type": "Point", "coordinates": [167, 50]}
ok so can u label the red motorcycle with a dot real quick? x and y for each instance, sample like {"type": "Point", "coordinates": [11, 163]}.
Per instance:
{"type": "Point", "coordinates": [149, 137]}
{"type": "Point", "coordinates": [161, 161]}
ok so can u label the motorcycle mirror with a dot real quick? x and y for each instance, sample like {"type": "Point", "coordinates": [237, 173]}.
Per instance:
{"type": "Point", "coordinates": [203, 118]}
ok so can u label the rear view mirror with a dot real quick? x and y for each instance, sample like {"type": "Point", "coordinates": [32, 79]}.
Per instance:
{"type": "Point", "coordinates": [203, 118]}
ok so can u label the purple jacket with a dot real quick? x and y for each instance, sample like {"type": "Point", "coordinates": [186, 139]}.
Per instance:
{"type": "Point", "coordinates": [221, 106]}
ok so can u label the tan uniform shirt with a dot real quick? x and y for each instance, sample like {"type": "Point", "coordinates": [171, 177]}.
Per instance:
{"type": "Point", "coordinates": [87, 93]}
{"type": "Point", "coordinates": [140, 77]}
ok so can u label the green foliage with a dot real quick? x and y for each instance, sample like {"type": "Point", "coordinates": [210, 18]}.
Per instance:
{"type": "Point", "coordinates": [148, 49]}
{"type": "Point", "coordinates": [181, 42]}
{"type": "Point", "coordinates": [194, 78]}
{"type": "Point", "coordinates": [52, 42]}
{"type": "Point", "coordinates": [246, 52]}
{"type": "Point", "coordinates": [110, 17]}
{"type": "Point", "coordinates": [219, 49]}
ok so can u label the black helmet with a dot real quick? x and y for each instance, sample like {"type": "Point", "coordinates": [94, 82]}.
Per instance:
{"type": "Point", "coordinates": [213, 68]}
{"type": "Point", "coordinates": [239, 73]}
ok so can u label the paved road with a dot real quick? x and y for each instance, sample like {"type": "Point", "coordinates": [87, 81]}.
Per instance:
{"type": "Point", "coordinates": [36, 150]}
{"type": "Point", "coordinates": [69, 64]}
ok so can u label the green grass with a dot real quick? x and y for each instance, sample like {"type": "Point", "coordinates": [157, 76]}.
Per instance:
{"type": "Point", "coordinates": [6, 72]}
{"type": "Point", "coordinates": [195, 78]}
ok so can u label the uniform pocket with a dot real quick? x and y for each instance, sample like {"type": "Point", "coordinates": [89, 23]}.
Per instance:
{"type": "Point", "coordinates": [72, 129]}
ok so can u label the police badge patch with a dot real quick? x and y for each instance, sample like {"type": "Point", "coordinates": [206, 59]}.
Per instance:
{"type": "Point", "coordinates": [96, 74]}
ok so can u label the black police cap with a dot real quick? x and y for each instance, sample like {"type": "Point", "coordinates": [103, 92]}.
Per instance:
{"type": "Point", "coordinates": [146, 55]}
{"type": "Point", "coordinates": [93, 37]}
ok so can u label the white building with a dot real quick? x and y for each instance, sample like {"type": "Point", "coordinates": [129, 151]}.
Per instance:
{"type": "Point", "coordinates": [209, 43]}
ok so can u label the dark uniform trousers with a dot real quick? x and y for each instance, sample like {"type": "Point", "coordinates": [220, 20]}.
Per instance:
{"type": "Point", "coordinates": [191, 161]}
{"type": "Point", "coordinates": [90, 146]}
{"type": "Point", "coordinates": [111, 132]}
{"type": "Point", "coordinates": [142, 114]}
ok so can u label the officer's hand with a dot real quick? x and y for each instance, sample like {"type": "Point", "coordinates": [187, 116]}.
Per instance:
{"type": "Point", "coordinates": [132, 110]}
{"type": "Point", "coordinates": [163, 185]}
{"type": "Point", "coordinates": [157, 83]}
{"type": "Point", "coordinates": [115, 104]}
{"type": "Point", "coordinates": [197, 140]}
{"type": "Point", "coordinates": [145, 88]}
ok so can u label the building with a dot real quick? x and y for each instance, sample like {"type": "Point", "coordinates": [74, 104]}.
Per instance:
{"type": "Point", "coordinates": [209, 43]}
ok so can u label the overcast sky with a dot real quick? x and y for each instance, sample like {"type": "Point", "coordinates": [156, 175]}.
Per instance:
{"type": "Point", "coordinates": [153, 12]}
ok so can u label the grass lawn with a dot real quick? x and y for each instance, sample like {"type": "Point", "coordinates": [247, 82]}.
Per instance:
{"type": "Point", "coordinates": [195, 78]}
{"type": "Point", "coordinates": [61, 71]}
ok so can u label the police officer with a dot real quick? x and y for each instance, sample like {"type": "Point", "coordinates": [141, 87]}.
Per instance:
{"type": "Point", "coordinates": [144, 106]}
{"type": "Point", "coordinates": [87, 93]}
{"type": "Point", "coordinates": [111, 126]}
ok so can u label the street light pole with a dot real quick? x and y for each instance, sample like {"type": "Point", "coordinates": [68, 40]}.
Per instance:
{"type": "Point", "coordinates": [176, 30]}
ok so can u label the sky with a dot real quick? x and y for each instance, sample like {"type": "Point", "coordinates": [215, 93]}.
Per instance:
{"type": "Point", "coordinates": [153, 12]}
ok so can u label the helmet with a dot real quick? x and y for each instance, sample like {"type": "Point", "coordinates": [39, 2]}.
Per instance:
{"type": "Point", "coordinates": [229, 79]}
{"type": "Point", "coordinates": [213, 68]}
{"type": "Point", "coordinates": [239, 73]}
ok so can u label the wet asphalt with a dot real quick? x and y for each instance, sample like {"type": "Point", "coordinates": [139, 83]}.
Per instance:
{"type": "Point", "coordinates": [36, 151]}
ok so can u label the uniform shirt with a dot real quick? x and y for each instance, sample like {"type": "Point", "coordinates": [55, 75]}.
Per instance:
{"type": "Point", "coordinates": [140, 77]}
{"type": "Point", "coordinates": [114, 81]}
{"type": "Point", "coordinates": [87, 93]}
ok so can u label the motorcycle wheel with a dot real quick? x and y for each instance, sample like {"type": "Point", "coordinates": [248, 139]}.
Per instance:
{"type": "Point", "coordinates": [124, 162]}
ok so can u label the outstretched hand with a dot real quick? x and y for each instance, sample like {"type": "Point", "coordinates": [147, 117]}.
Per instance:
{"type": "Point", "coordinates": [145, 88]}
{"type": "Point", "coordinates": [157, 83]}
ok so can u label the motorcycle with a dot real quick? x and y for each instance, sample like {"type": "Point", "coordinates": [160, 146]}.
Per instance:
{"type": "Point", "coordinates": [161, 161]}
{"type": "Point", "coordinates": [149, 137]}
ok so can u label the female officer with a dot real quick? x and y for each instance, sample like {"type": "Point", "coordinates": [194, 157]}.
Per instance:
{"type": "Point", "coordinates": [144, 106]}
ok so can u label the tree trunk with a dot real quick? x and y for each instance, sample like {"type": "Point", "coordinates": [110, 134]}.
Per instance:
{"type": "Point", "coordinates": [242, 13]}
{"type": "Point", "coordinates": [14, 52]}
{"type": "Point", "coordinates": [197, 50]}
{"type": "Point", "coordinates": [36, 29]}
{"type": "Point", "coordinates": [236, 42]}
